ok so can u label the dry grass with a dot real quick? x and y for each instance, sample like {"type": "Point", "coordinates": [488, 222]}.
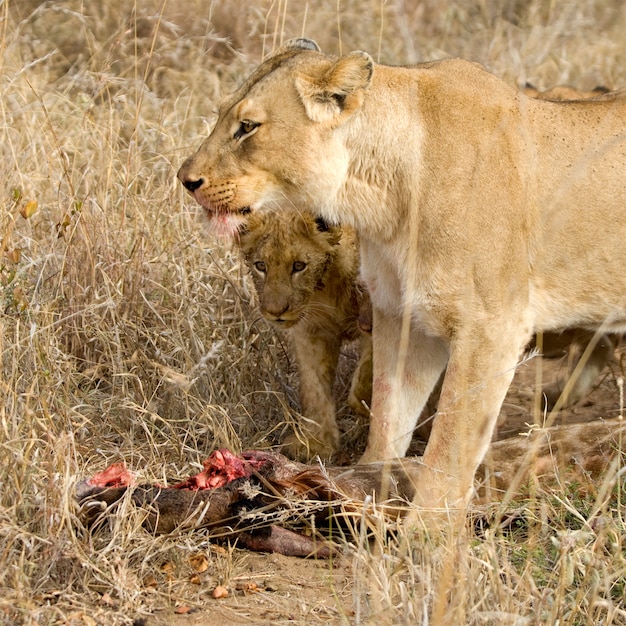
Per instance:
{"type": "Point", "coordinates": [127, 334]}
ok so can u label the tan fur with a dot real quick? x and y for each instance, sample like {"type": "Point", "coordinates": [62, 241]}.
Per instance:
{"type": "Point", "coordinates": [306, 276]}
{"type": "Point", "coordinates": [587, 352]}
{"type": "Point", "coordinates": [483, 215]}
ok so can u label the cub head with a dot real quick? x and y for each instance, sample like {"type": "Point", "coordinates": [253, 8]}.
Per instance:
{"type": "Point", "coordinates": [289, 255]}
{"type": "Point", "coordinates": [278, 136]}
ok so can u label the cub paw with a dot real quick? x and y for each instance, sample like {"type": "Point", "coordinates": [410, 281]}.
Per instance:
{"type": "Point", "coordinates": [359, 402]}
{"type": "Point", "coordinates": [305, 445]}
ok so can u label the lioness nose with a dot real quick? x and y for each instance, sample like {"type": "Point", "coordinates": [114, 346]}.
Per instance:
{"type": "Point", "coordinates": [192, 185]}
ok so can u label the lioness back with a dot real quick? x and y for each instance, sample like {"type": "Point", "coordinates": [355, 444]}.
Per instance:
{"type": "Point", "coordinates": [305, 273]}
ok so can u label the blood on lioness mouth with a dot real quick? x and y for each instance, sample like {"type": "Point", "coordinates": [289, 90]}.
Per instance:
{"type": "Point", "coordinates": [226, 224]}
{"type": "Point", "coordinates": [220, 212]}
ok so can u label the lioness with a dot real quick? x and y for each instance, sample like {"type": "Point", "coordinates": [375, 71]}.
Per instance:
{"type": "Point", "coordinates": [483, 215]}
{"type": "Point", "coordinates": [306, 276]}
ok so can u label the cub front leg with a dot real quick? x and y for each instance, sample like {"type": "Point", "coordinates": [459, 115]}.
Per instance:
{"type": "Point", "coordinates": [404, 376]}
{"type": "Point", "coordinates": [360, 397]}
{"type": "Point", "coordinates": [317, 355]}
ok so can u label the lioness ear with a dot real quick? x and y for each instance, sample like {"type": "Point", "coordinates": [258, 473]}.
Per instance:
{"type": "Point", "coordinates": [339, 91]}
{"type": "Point", "coordinates": [299, 43]}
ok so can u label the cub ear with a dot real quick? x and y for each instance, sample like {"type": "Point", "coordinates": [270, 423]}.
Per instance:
{"type": "Point", "coordinates": [339, 91]}
{"type": "Point", "coordinates": [242, 237]}
{"type": "Point", "coordinates": [333, 233]}
{"type": "Point", "coordinates": [321, 224]}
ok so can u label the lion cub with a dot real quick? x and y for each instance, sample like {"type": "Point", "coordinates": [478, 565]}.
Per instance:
{"type": "Point", "coordinates": [306, 276]}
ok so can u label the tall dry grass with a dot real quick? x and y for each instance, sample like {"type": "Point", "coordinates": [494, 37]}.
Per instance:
{"type": "Point", "coordinates": [127, 334]}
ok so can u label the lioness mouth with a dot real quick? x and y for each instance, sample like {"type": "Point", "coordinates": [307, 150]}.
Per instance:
{"type": "Point", "coordinates": [216, 212]}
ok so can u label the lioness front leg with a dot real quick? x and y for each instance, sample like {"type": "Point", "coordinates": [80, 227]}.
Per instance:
{"type": "Point", "coordinates": [404, 377]}
{"type": "Point", "coordinates": [317, 355]}
{"type": "Point", "coordinates": [481, 366]}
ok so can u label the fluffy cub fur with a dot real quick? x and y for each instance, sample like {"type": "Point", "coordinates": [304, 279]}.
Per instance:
{"type": "Point", "coordinates": [305, 274]}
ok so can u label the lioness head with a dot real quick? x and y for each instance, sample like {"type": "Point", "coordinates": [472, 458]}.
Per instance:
{"type": "Point", "coordinates": [288, 256]}
{"type": "Point", "coordinates": [253, 157]}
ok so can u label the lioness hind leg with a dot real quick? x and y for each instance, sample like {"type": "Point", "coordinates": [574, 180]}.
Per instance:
{"type": "Point", "coordinates": [317, 355]}
{"type": "Point", "coordinates": [592, 353]}
{"type": "Point", "coordinates": [360, 397]}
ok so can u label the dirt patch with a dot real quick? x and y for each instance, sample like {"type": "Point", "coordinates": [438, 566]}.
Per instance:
{"type": "Point", "coordinates": [275, 589]}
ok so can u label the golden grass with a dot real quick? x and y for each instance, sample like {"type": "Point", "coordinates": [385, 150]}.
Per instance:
{"type": "Point", "coordinates": [127, 334]}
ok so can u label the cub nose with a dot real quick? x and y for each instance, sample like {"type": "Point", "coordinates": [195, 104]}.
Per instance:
{"type": "Point", "coordinates": [275, 307]}
{"type": "Point", "coordinates": [192, 185]}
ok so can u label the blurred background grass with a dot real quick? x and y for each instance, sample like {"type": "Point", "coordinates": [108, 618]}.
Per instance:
{"type": "Point", "coordinates": [126, 333]}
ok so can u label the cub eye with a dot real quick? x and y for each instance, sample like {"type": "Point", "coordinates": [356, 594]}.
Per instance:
{"type": "Point", "coordinates": [298, 266]}
{"type": "Point", "coordinates": [245, 128]}
{"type": "Point", "coordinates": [260, 266]}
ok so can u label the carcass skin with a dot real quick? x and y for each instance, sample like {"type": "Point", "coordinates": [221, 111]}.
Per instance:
{"type": "Point", "coordinates": [246, 496]}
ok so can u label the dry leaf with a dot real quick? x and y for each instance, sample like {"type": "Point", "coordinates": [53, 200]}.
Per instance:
{"type": "Point", "coordinates": [14, 255]}
{"type": "Point", "coordinates": [62, 225]}
{"type": "Point", "coordinates": [183, 609]}
{"type": "Point", "coordinates": [168, 569]}
{"type": "Point", "coordinates": [199, 562]}
{"type": "Point", "coordinates": [220, 592]}
{"type": "Point", "coordinates": [150, 581]}
{"type": "Point", "coordinates": [28, 209]}
{"type": "Point", "coordinates": [106, 598]}
{"type": "Point", "coordinates": [81, 617]}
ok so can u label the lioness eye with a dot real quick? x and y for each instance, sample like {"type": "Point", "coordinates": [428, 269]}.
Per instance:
{"type": "Point", "coordinates": [298, 266]}
{"type": "Point", "coordinates": [245, 128]}
{"type": "Point", "coordinates": [260, 266]}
